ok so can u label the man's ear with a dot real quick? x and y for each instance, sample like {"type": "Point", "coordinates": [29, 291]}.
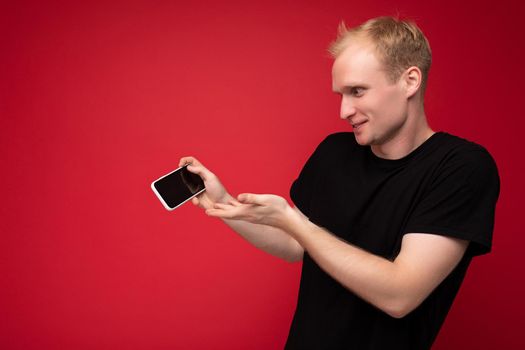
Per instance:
{"type": "Point", "coordinates": [413, 80]}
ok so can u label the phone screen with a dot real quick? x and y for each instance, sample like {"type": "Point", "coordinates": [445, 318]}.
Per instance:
{"type": "Point", "coordinates": [177, 187]}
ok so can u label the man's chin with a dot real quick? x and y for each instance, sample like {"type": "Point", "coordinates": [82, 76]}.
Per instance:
{"type": "Point", "coordinates": [362, 141]}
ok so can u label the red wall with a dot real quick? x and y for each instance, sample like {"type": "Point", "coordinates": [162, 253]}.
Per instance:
{"type": "Point", "coordinates": [98, 100]}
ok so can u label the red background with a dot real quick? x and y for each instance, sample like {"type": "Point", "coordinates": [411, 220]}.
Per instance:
{"type": "Point", "coordinates": [98, 100]}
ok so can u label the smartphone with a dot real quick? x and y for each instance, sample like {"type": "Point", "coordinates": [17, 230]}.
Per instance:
{"type": "Point", "coordinates": [177, 187]}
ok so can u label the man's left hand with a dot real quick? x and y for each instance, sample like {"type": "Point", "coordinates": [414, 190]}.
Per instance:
{"type": "Point", "coordinates": [265, 209]}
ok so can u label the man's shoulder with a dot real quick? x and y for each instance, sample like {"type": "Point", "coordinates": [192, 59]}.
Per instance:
{"type": "Point", "coordinates": [338, 145]}
{"type": "Point", "coordinates": [462, 156]}
{"type": "Point", "coordinates": [342, 138]}
{"type": "Point", "coordinates": [461, 148]}
{"type": "Point", "coordinates": [459, 142]}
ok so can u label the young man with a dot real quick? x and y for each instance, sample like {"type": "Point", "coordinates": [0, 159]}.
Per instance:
{"type": "Point", "coordinates": [387, 218]}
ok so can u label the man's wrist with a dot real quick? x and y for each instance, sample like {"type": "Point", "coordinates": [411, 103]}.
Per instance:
{"type": "Point", "coordinates": [293, 223]}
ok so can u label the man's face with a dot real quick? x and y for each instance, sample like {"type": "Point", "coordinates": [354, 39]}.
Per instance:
{"type": "Point", "coordinates": [375, 107]}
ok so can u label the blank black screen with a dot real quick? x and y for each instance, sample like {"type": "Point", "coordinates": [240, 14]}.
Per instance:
{"type": "Point", "coordinates": [178, 186]}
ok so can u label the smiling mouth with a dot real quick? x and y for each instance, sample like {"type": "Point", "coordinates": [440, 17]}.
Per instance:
{"type": "Point", "coordinates": [357, 125]}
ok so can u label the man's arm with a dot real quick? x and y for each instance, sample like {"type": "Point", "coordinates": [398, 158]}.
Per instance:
{"type": "Point", "coordinates": [396, 287]}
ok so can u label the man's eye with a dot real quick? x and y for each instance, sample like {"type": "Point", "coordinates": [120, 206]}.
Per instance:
{"type": "Point", "coordinates": [357, 91]}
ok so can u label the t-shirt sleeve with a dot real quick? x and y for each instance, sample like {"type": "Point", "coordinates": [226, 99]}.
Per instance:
{"type": "Point", "coordinates": [302, 188]}
{"type": "Point", "coordinates": [460, 201]}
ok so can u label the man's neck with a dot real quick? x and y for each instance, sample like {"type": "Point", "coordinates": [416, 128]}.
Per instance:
{"type": "Point", "coordinates": [412, 135]}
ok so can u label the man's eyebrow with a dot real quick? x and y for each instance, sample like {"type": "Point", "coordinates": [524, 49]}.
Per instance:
{"type": "Point", "coordinates": [344, 88]}
{"type": "Point", "coordinates": [349, 87]}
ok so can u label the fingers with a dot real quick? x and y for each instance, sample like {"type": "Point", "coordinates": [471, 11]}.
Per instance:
{"type": "Point", "coordinates": [189, 160]}
{"type": "Point", "coordinates": [228, 211]}
{"type": "Point", "coordinates": [196, 167]}
{"type": "Point", "coordinates": [222, 206]}
{"type": "Point", "coordinates": [250, 198]}
{"type": "Point", "coordinates": [245, 197]}
{"type": "Point", "coordinates": [224, 211]}
{"type": "Point", "coordinates": [234, 202]}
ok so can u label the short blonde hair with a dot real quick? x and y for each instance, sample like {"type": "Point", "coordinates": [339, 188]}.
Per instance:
{"type": "Point", "coordinates": [399, 44]}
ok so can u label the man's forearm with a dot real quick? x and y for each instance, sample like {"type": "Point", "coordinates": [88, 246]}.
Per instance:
{"type": "Point", "coordinates": [396, 287]}
{"type": "Point", "coordinates": [373, 278]}
{"type": "Point", "coordinates": [270, 239]}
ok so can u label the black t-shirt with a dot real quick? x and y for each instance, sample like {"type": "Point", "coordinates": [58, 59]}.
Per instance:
{"type": "Point", "coordinates": [447, 186]}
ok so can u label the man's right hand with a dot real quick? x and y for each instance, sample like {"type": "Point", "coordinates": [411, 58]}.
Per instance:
{"type": "Point", "coordinates": [215, 191]}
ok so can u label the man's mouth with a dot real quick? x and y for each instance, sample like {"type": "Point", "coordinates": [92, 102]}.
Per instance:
{"type": "Point", "coordinates": [356, 126]}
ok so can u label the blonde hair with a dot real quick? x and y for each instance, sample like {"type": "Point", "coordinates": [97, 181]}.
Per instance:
{"type": "Point", "coordinates": [399, 44]}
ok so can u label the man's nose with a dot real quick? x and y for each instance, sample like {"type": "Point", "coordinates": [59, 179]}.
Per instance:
{"type": "Point", "coordinates": [347, 107]}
